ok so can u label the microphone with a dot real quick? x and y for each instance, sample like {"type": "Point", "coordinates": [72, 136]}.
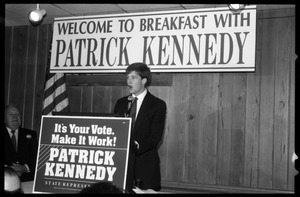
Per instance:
{"type": "Point", "coordinates": [129, 104]}
{"type": "Point", "coordinates": [130, 98]}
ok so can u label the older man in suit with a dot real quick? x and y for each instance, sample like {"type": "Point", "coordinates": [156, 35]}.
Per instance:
{"type": "Point", "coordinates": [147, 130]}
{"type": "Point", "coordinates": [20, 145]}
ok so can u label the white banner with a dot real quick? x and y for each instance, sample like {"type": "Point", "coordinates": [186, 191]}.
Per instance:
{"type": "Point", "coordinates": [196, 40]}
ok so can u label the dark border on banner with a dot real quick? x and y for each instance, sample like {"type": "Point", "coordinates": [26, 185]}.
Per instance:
{"type": "Point", "coordinates": [161, 70]}
{"type": "Point", "coordinates": [144, 14]}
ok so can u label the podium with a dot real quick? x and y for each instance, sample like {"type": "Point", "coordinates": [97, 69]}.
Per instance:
{"type": "Point", "coordinates": [76, 151]}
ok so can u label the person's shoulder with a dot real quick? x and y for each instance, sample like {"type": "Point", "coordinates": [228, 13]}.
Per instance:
{"type": "Point", "coordinates": [4, 126]}
{"type": "Point", "coordinates": [156, 99]}
{"type": "Point", "coordinates": [121, 102]}
{"type": "Point", "coordinates": [122, 99]}
{"type": "Point", "coordinates": [160, 100]}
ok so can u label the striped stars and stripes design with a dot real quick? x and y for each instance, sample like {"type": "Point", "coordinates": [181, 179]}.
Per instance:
{"type": "Point", "coordinates": [55, 94]}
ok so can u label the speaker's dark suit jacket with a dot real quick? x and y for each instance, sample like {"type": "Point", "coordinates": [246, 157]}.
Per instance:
{"type": "Point", "coordinates": [27, 151]}
{"type": "Point", "coordinates": [148, 131]}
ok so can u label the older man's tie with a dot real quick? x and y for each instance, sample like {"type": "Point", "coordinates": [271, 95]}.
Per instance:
{"type": "Point", "coordinates": [13, 139]}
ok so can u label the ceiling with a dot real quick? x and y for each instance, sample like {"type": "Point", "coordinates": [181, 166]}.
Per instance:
{"type": "Point", "coordinates": [17, 14]}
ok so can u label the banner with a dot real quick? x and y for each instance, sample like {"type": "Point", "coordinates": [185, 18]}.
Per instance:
{"type": "Point", "coordinates": [76, 151]}
{"type": "Point", "coordinates": [195, 40]}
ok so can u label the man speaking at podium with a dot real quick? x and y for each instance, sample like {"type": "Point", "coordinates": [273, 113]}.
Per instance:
{"type": "Point", "coordinates": [148, 114]}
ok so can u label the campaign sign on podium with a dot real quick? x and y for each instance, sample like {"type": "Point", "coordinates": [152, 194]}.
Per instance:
{"type": "Point", "coordinates": [76, 151]}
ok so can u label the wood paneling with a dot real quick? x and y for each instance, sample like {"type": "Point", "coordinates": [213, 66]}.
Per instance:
{"type": "Point", "coordinates": [8, 59]}
{"type": "Point", "coordinates": [158, 79]}
{"type": "Point", "coordinates": [31, 66]}
{"type": "Point", "coordinates": [281, 107]}
{"type": "Point", "coordinates": [224, 131]}
{"type": "Point", "coordinates": [18, 68]}
{"type": "Point", "coordinates": [238, 107]}
{"type": "Point", "coordinates": [75, 93]}
{"type": "Point", "coordinates": [266, 144]}
{"type": "Point", "coordinates": [291, 121]}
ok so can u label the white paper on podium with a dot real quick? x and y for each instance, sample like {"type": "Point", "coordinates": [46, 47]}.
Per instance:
{"type": "Point", "coordinates": [140, 191]}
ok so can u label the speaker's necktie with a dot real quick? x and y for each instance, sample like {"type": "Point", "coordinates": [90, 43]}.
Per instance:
{"type": "Point", "coordinates": [133, 111]}
{"type": "Point", "coordinates": [13, 139]}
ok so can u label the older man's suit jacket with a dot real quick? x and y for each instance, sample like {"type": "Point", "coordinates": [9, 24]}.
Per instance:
{"type": "Point", "coordinates": [148, 131]}
{"type": "Point", "coordinates": [27, 151]}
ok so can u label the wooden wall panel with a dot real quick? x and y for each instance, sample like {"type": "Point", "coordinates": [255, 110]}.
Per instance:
{"type": "Point", "coordinates": [253, 115]}
{"type": "Point", "coordinates": [191, 130]}
{"type": "Point", "coordinates": [102, 99]}
{"type": "Point", "coordinates": [169, 136]}
{"type": "Point", "coordinates": [291, 124]}
{"type": "Point", "coordinates": [75, 92]}
{"type": "Point", "coordinates": [238, 107]}
{"type": "Point", "coordinates": [266, 143]}
{"type": "Point", "coordinates": [8, 59]}
{"type": "Point", "coordinates": [224, 129]}
{"type": "Point", "coordinates": [188, 168]}
{"type": "Point", "coordinates": [281, 107]}
{"type": "Point", "coordinates": [43, 48]}
{"type": "Point", "coordinates": [164, 94]}
{"type": "Point", "coordinates": [18, 66]}
{"type": "Point", "coordinates": [207, 97]}
{"type": "Point", "coordinates": [252, 129]}
{"type": "Point", "coordinates": [178, 128]}
{"type": "Point", "coordinates": [31, 67]}
{"type": "Point", "coordinates": [87, 99]}
{"type": "Point", "coordinates": [194, 138]}
{"type": "Point", "coordinates": [231, 131]}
